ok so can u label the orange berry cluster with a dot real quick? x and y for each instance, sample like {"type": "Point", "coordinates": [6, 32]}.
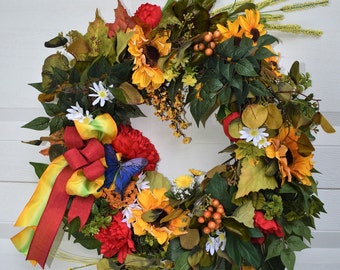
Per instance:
{"type": "Point", "coordinates": [208, 43]}
{"type": "Point", "coordinates": [212, 217]}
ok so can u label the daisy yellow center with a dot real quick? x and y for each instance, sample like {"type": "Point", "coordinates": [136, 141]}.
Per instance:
{"type": "Point", "coordinates": [102, 94]}
{"type": "Point", "coordinates": [253, 132]}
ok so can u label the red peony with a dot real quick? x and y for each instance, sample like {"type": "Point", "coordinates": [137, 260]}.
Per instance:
{"type": "Point", "coordinates": [132, 144]}
{"type": "Point", "coordinates": [267, 226]}
{"type": "Point", "coordinates": [116, 239]}
{"type": "Point", "coordinates": [149, 14]}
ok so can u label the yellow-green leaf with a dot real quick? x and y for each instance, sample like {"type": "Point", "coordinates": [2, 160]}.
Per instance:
{"type": "Point", "coordinates": [190, 239]}
{"type": "Point", "coordinates": [305, 146]}
{"type": "Point", "coordinates": [274, 119]}
{"type": "Point", "coordinates": [234, 128]}
{"type": "Point", "coordinates": [157, 180]}
{"type": "Point", "coordinates": [151, 215]}
{"type": "Point", "coordinates": [133, 260]}
{"type": "Point", "coordinates": [131, 94]}
{"type": "Point", "coordinates": [254, 115]}
{"type": "Point", "coordinates": [253, 178]}
{"type": "Point", "coordinates": [321, 120]}
{"type": "Point", "coordinates": [245, 214]}
{"type": "Point", "coordinates": [172, 215]}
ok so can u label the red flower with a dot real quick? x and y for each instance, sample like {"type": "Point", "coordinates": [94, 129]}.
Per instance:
{"type": "Point", "coordinates": [267, 226]}
{"type": "Point", "coordinates": [116, 239]}
{"type": "Point", "coordinates": [132, 144]}
{"type": "Point", "coordinates": [149, 14]}
{"type": "Point", "coordinates": [226, 122]}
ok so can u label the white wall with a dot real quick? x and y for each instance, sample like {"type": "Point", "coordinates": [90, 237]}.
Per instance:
{"type": "Point", "coordinates": [26, 25]}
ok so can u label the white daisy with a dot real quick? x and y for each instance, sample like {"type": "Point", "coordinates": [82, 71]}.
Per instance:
{"type": "Point", "coordinates": [257, 135]}
{"type": "Point", "coordinates": [102, 94]}
{"type": "Point", "coordinates": [215, 243]}
{"type": "Point", "coordinates": [142, 183]}
{"type": "Point", "coordinates": [252, 133]}
{"type": "Point", "coordinates": [262, 143]}
{"type": "Point", "coordinates": [77, 113]}
{"type": "Point", "coordinates": [127, 213]}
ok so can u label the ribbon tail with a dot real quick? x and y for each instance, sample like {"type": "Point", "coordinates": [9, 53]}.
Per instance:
{"type": "Point", "coordinates": [50, 220]}
{"type": "Point", "coordinates": [81, 207]}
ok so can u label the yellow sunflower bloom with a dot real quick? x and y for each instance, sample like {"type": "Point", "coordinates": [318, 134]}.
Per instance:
{"type": "Point", "coordinates": [251, 26]}
{"type": "Point", "coordinates": [147, 74]}
{"type": "Point", "coordinates": [286, 149]}
{"type": "Point", "coordinates": [232, 30]}
{"type": "Point", "coordinates": [163, 232]}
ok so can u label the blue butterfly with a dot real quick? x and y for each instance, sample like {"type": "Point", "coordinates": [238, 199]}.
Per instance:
{"type": "Point", "coordinates": [118, 172]}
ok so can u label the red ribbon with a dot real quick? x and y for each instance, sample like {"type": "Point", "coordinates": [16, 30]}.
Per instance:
{"type": "Point", "coordinates": [79, 156]}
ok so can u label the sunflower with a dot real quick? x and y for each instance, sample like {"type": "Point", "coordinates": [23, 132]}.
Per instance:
{"type": "Point", "coordinates": [232, 30]}
{"type": "Point", "coordinates": [251, 26]}
{"type": "Point", "coordinates": [157, 202]}
{"type": "Point", "coordinates": [286, 149]}
{"type": "Point", "coordinates": [147, 74]}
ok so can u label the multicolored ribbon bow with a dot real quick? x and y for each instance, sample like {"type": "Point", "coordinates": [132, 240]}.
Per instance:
{"type": "Point", "coordinates": [75, 175]}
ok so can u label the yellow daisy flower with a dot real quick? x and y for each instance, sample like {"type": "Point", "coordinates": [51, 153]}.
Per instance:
{"type": "Point", "coordinates": [251, 26]}
{"type": "Point", "coordinates": [147, 74]}
{"type": "Point", "coordinates": [163, 232]}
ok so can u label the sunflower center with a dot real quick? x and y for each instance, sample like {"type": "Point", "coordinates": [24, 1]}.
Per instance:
{"type": "Point", "coordinates": [157, 223]}
{"type": "Point", "coordinates": [151, 55]}
{"type": "Point", "coordinates": [255, 33]}
{"type": "Point", "coordinates": [289, 157]}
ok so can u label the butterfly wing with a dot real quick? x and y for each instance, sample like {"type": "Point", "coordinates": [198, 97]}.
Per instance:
{"type": "Point", "coordinates": [127, 170]}
{"type": "Point", "coordinates": [113, 166]}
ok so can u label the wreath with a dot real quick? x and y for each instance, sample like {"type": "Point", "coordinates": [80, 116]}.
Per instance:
{"type": "Point", "coordinates": [102, 185]}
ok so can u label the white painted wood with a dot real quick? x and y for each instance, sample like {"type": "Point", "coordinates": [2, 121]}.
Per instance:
{"type": "Point", "coordinates": [26, 25]}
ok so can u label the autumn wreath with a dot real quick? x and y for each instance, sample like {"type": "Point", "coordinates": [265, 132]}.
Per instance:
{"type": "Point", "coordinates": [102, 186]}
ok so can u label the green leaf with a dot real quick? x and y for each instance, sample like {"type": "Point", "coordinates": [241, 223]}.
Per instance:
{"type": "Point", "coordinates": [195, 256]}
{"type": "Point", "coordinates": [51, 109]}
{"type": "Point", "coordinates": [182, 261]}
{"type": "Point", "coordinates": [39, 168]}
{"type": "Point", "coordinates": [245, 68]}
{"type": "Point", "coordinates": [39, 123]}
{"type": "Point", "coordinates": [174, 250]}
{"type": "Point", "coordinates": [294, 72]}
{"type": "Point", "coordinates": [218, 188]}
{"type": "Point", "coordinates": [275, 248]}
{"type": "Point", "coordinates": [263, 53]}
{"type": "Point", "coordinates": [237, 228]}
{"type": "Point", "coordinates": [151, 215]}
{"type": "Point", "coordinates": [226, 48]}
{"type": "Point", "coordinates": [288, 258]}
{"type": "Point", "coordinates": [199, 108]}
{"type": "Point", "coordinates": [131, 94]}
{"type": "Point", "coordinates": [245, 214]}
{"type": "Point", "coordinates": [56, 124]}
{"type": "Point", "coordinates": [295, 243]}
{"type": "Point", "coordinates": [239, 250]}
{"type": "Point", "coordinates": [138, 262]}
{"type": "Point", "coordinates": [157, 180]}
{"type": "Point", "coordinates": [37, 86]}
{"type": "Point", "coordinates": [253, 178]}
{"type": "Point", "coordinates": [104, 264]}
{"type": "Point", "coordinates": [122, 41]}
{"type": "Point", "coordinates": [266, 40]}
{"type": "Point", "coordinates": [258, 89]}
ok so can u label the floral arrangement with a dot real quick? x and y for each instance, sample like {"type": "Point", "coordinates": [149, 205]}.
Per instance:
{"type": "Point", "coordinates": [102, 185]}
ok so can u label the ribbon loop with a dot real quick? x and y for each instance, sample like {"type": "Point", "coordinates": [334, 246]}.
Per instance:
{"type": "Point", "coordinates": [94, 170]}
{"type": "Point", "coordinates": [93, 150]}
